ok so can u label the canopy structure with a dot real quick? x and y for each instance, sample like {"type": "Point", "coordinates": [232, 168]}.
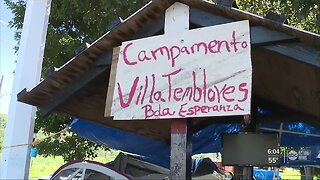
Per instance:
{"type": "Point", "coordinates": [286, 70]}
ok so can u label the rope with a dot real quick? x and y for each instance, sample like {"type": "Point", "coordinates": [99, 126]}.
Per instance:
{"type": "Point", "coordinates": [37, 141]}
{"type": "Point", "coordinates": [15, 145]}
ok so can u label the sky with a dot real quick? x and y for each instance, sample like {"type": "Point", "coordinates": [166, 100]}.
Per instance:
{"type": "Point", "coordinates": [7, 57]}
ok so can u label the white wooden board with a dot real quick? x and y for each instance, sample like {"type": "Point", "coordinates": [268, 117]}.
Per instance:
{"type": "Point", "coordinates": [196, 73]}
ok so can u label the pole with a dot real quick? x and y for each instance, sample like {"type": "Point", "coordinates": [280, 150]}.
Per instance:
{"type": "Point", "coordinates": [177, 20]}
{"type": "Point", "coordinates": [247, 171]}
{"type": "Point", "coordinates": [249, 125]}
{"type": "Point", "coordinates": [15, 161]}
{"type": "Point", "coordinates": [181, 149]}
{"type": "Point", "coordinates": [1, 83]}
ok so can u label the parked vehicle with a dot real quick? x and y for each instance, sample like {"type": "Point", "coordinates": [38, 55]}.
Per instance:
{"type": "Point", "coordinates": [127, 167]}
{"type": "Point", "coordinates": [87, 170]}
{"type": "Point", "coordinates": [124, 167]}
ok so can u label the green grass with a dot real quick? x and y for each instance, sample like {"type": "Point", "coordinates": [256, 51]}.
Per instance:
{"type": "Point", "coordinates": [41, 166]}
{"type": "Point", "coordinates": [3, 121]}
{"type": "Point", "coordinates": [291, 174]}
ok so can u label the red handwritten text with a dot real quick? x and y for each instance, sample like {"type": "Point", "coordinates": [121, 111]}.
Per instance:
{"type": "Point", "coordinates": [172, 53]}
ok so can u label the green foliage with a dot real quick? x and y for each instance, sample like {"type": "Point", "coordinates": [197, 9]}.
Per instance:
{"type": "Point", "coordinates": [3, 121]}
{"type": "Point", "coordinates": [302, 14]}
{"type": "Point", "coordinates": [66, 144]}
{"type": "Point", "coordinates": [69, 146]}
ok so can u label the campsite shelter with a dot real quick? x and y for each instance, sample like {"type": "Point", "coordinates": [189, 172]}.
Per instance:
{"type": "Point", "coordinates": [285, 60]}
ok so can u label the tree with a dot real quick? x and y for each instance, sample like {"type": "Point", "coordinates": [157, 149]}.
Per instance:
{"type": "Point", "coordinates": [302, 14]}
{"type": "Point", "coordinates": [73, 23]}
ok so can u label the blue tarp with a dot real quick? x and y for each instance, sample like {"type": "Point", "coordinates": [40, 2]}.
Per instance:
{"type": "Point", "coordinates": [295, 140]}
{"type": "Point", "coordinates": [207, 140]}
{"type": "Point", "coordinates": [263, 174]}
{"type": "Point", "coordinates": [303, 143]}
{"type": "Point", "coordinates": [154, 151]}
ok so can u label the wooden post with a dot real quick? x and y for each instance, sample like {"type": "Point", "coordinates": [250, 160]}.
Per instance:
{"type": "Point", "coordinates": [177, 20]}
{"type": "Point", "coordinates": [15, 160]}
{"type": "Point", "coordinates": [247, 172]}
{"type": "Point", "coordinates": [307, 173]}
{"type": "Point", "coordinates": [181, 149]}
{"type": "Point", "coordinates": [249, 122]}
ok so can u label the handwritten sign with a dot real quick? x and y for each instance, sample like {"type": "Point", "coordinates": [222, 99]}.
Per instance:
{"type": "Point", "coordinates": [197, 73]}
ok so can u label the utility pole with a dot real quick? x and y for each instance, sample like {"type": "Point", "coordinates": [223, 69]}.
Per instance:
{"type": "Point", "coordinates": [15, 161]}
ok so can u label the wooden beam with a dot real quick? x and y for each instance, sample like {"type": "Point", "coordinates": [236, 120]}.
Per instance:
{"type": "Point", "coordinates": [181, 149]}
{"type": "Point", "coordinates": [111, 84]}
{"type": "Point", "coordinates": [99, 66]}
{"type": "Point", "coordinates": [177, 20]}
{"type": "Point", "coordinates": [152, 29]}
{"type": "Point", "coordinates": [259, 34]}
{"type": "Point", "coordinates": [299, 51]}
{"type": "Point", "coordinates": [204, 19]}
